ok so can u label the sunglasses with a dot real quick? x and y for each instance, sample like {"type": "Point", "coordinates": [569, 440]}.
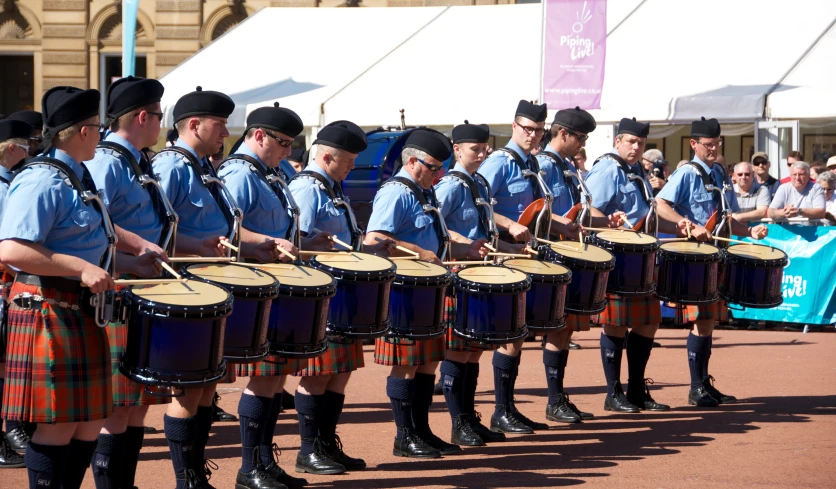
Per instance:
{"type": "Point", "coordinates": [24, 147]}
{"type": "Point", "coordinates": [432, 168]}
{"type": "Point", "coordinates": [744, 174]}
{"type": "Point", "coordinates": [760, 163]}
{"type": "Point", "coordinates": [284, 143]}
{"type": "Point", "coordinates": [581, 137]}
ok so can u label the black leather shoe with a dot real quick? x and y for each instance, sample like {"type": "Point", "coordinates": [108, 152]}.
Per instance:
{"type": "Point", "coordinates": [288, 401]}
{"type": "Point", "coordinates": [203, 474]}
{"type": "Point", "coordinates": [190, 478]}
{"type": "Point", "coordinates": [318, 462]}
{"type": "Point", "coordinates": [561, 412]}
{"type": "Point", "coordinates": [442, 446]}
{"type": "Point", "coordinates": [280, 475]}
{"type": "Point", "coordinates": [463, 434]}
{"type": "Point", "coordinates": [9, 459]}
{"type": "Point", "coordinates": [574, 346]}
{"type": "Point", "coordinates": [335, 452]}
{"type": "Point", "coordinates": [218, 414]}
{"type": "Point", "coordinates": [506, 422]}
{"type": "Point", "coordinates": [701, 398]}
{"type": "Point", "coordinates": [640, 397]}
{"type": "Point", "coordinates": [618, 401]}
{"type": "Point", "coordinates": [149, 430]}
{"type": "Point", "coordinates": [412, 446]}
{"type": "Point", "coordinates": [534, 425]}
{"type": "Point", "coordinates": [438, 390]}
{"type": "Point", "coordinates": [713, 392]}
{"type": "Point", "coordinates": [18, 438]}
{"type": "Point", "coordinates": [484, 433]}
{"type": "Point", "coordinates": [581, 414]}
{"type": "Point", "coordinates": [258, 478]}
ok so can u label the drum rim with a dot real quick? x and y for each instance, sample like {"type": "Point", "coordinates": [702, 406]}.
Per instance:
{"type": "Point", "coordinates": [543, 278]}
{"type": "Point", "coordinates": [678, 256]}
{"type": "Point", "coordinates": [464, 284]}
{"type": "Point", "coordinates": [217, 310]}
{"type": "Point", "coordinates": [386, 275]}
{"type": "Point", "coordinates": [265, 292]}
{"type": "Point", "coordinates": [572, 262]}
{"type": "Point", "coordinates": [755, 305]}
{"type": "Point", "coordinates": [423, 281]}
{"type": "Point", "coordinates": [629, 247]}
{"type": "Point", "coordinates": [756, 262]}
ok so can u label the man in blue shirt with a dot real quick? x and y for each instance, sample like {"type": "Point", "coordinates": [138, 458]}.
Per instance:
{"type": "Point", "coordinates": [686, 202]}
{"type": "Point", "coordinates": [36, 121]}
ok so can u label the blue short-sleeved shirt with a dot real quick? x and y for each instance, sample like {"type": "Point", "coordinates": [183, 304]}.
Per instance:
{"type": "Point", "coordinates": [129, 204]}
{"type": "Point", "coordinates": [688, 196]}
{"type": "Point", "coordinates": [512, 191]}
{"type": "Point", "coordinates": [200, 215]}
{"type": "Point", "coordinates": [397, 212]}
{"type": "Point", "coordinates": [5, 180]}
{"type": "Point", "coordinates": [286, 169]}
{"type": "Point", "coordinates": [556, 182]}
{"type": "Point", "coordinates": [612, 191]}
{"type": "Point", "coordinates": [456, 205]}
{"type": "Point", "coordinates": [43, 209]}
{"type": "Point", "coordinates": [316, 209]}
{"type": "Point", "coordinates": [263, 210]}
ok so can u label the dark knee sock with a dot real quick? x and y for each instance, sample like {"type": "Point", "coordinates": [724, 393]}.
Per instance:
{"type": "Point", "coordinates": [517, 360]}
{"type": "Point", "coordinates": [453, 375]}
{"type": "Point", "coordinates": [401, 393]}
{"type": "Point", "coordinates": [131, 447]}
{"type": "Point", "coordinates": [45, 463]}
{"type": "Point", "coordinates": [332, 407]}
{"type": "Point", "coordinates": [308, 409]}
{"type": "Point", "coordinates": [638, 353]}
{"type": "Point", "coordinates": [612, 349]}
{"type": "Point", "coordinates": [470, 382]}
{"type": "Point", "coordinates": [424, 388]}
{"type": "Point", "coordinates": [554, 364]}
{"type": "Point", "coordinates": [106, 465]}
{"type": "Point", "coordinates": [698, 349]}
{"type": "Point", "coordinates": [265, 445]}
{"type": "Point", "coordinates": [707, 357]}
{"type": "Point", "coordinates": [180, 433]}
{"type": "Point", "coordinates": [503, 373]}
{"type": "Point", "coordinates": [78, 461]}
{"type": "Point", "coordinates": [252, 412]}
{"type": "Point", "coordinates": [203, 427]}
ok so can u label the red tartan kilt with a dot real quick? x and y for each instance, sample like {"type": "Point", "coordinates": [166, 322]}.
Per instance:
{"type": "Point", "coordinates": [454, 341]}
{"type": "Point", "coordinates": [272, 366]}
{"type": "Point", "coordinates": [126, 392]}
{"type": "Point", "coordinates": [629, 311]}
{"type": "Point", "coordinates": [717, 311]}
{"type": "Point", "coordinates": [408, 353]}
{"type": "Point", "coordinates": [58, 367]}
{"type": "Point", "coordinates": [342, 356]}
{"type": "Point", "coordinates": [575, 322]}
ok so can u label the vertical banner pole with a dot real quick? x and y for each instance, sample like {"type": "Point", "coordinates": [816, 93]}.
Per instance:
{"type": "Point", "coordinates": [129, 13]}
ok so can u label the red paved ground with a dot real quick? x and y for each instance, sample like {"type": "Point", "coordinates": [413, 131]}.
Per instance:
{"type": "Point", "coordinates": [782, 433]}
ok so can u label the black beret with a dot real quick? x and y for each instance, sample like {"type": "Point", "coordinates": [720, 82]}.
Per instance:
{"type": "Point", "coordinates": [471, 133]}
{"type": "Point", "coordinates": [276, 118]}
{"type": "Point", "coordinates": [342, 135]}
{"type": "Point", "coordinates": [202, 102]}
{"type": "Point", "coordinates": [127, 94]}
{"type": "Point", "coordinates": [13, 129]}
{"type": "Point", "coordinates": [431, 142]}
{"type": "Point", "coordinates": [575, 119]}
{"type": "Point", "coordinates": [705, 128]}
{"type": "Point", "coordinates": [31, 117]}
{"type": "Point", "coordinates": [529, 110]}
{"type": "Point", "coordinates": [64, 106]}
{"type": "Point", "coordinates": [296, 155]}
{"type": "Point", "coordinates": [630, 126]}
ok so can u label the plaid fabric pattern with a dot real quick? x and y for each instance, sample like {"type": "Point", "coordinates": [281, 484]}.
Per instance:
{"type": "Point", "coordinates": [231, 370]}
{"type": "Point", "coordinates": [408, 353]}
{"type": "Point", "coordinates": [454, 341]}
{"type": "Point", "coordinates": [58, 364]}
{"type": "Point", "coordinates": [577, 323]}
{"type": "Point", "coordinates": [4, 296]}
{"type": "Point", "coordinates": [717, 311]}
{"type": "Point", "coordinates": [126, 392]}
{"type": "Point", "coordinates": [629, 311]}
{"type": "Point", "coordinates": [343, 355]}
{"type": "Point", "coordinates": [273, 366]}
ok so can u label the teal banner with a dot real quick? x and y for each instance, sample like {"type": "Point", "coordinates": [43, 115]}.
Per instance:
{"type": "Point", "coordinates": [809, 286]}
{"type": "Point", "coordinates": [129, 14]}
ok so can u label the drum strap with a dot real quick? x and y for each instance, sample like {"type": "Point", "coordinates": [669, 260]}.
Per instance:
{"type": "Point", "coordinates": [473, 186]}
{"type": "Point", "coordinates": [335, 193]}
{"type": "Point", "coordinates": [563, 167]}
{"type": "Point", "coordinates": [523, 164]}
{"type": "Point", "coordinates": [706, 181]}
{"type": "Point", "coordinates": [625, 167]}
{"type": "Point", "coordinates": [424, 199]}
{"type": "Point", "coordinates": [4, 181]}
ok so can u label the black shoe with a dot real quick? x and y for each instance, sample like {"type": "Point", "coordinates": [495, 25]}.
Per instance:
{"type": "Point", "coordinates": [203, 475]}
{"type": "Point", "coordinates": [318, 462]}
{"type": "Point", "coordinates": [713, 392]}
{"type": "Point", "coordinates": [618, 401]}
{"type": "Point", "coordinates": [656, 344]}
{"type": "Point", "coordinates": [643, 400]}
{"type": "Point", "coordinates": [149, 430]}
{"type": "Point", "coordinates": [288, 401]}
{"type": "Point", "coordinates": [506, 422]}
{"type": "Point", "coordinates": [412, 446]}
{"type": "Point", "coordinates": [561, 412]}
{"type": "Point", "coordinates": [463, 434]}
{"type": "Point", "coordinates": [484, 433]}
{"type": "Point", "coordinates": [218, 414]}
{"type": "Point", "coordinates": [280, 475]}
{"type": "Point", "coordinates": [258, 478]}
{"type": "Point", "coordinates": [581, 414]}
{"type": "Point", "coordinates": [701, 398]}
{"type": "Point", "coordinates": [438, 389]}
{"type": "Point", "coordinates": [534, 425]}
{"type": "Point", "coordinates": [18, 438]}
{"type": "Point", "coordinates": [574, 346]}
{"type": "Point", "coordinates": [335, 452]}
{"type": "Point", "coordinates": [191, 479]}
{"type": "Point", "coordinates": [9, 459]}
{"type": "Point", "coordinates": [442, 446]}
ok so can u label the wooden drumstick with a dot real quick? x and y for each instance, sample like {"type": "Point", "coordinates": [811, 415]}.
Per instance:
{"type": "Point", "coordinates": [285, 253]}
{"type": "Point", "coordinates": [510, 255]}
{"type": "Point", "coordinates": [559, 245]}
{"type": "Point", "coordinates": [611, 229]}
{"type": "Point", "coordinates": [410, 257]}
{"type": "Point", "coordinates": [531, 250]}
{"type": "Point", "coordinates": [201, 259]}
{"type": "Point", "coordinates": [454, 263]}
{"type": "Point", "coordinates": [310, 253]}
{"type": "Point", "coordinates": [688, 228]}
{"type": "Point", "coordinates": [229, 245]}
{"type": "Point", "coordinates": [488, 246]}
{"type": "Point", "coordinates": [149, 281]}
{"type": "Point", "coordinates": [729, 240]}
{"type": "Point", "coordinates": [627, 223]}
{"type": "Point", "coordinates": [399, 247]}
{"type": "Point", "coordinates": [672, 239]}
{"type": "Point", "coordinates": [166, 266]}
{"type": "Point", "coordinates": [261, 266]}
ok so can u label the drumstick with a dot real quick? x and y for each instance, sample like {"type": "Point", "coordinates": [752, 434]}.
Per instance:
{"type": "Point", "coordinates": [627, 223]}
{"type": "Point", "coordinates": [399, 247]}
{"type": "Point", "coordinates": [454, 263]}
{"type": "Point", "coordinates": [488, 246]}
{"type": "Point", "coordinates": [555, 243]}
{"type": "Point", "coordinates": [512, 255]}
{"type": "Point", "coordinates": [261, 266]}
{"type": "Point", "coordinates": [688, 228]}
{"type": "Point", "coordinates": [611, 229]}
{"type": "Point", "coordinates": [200, 259]}
{"type": "Point", "coordinates": [340, 242]}
{"type": "Point", "coordinates": [531, 250]}
{"type": "Point", "coordinates": [166, 266]}
{"type": "Point", "coordinates": [150, 281]}
{"type": "Point", "coordinates": [403, 257]}
{"type": "Point", "coordinates": [229, 245]}
{"type": "Point", "coordinates": [307, 252]}
{"type": "Point", "coordinates": [285, 253]}
{"type": "Point", "coordinates": [731, 240]}
{"type": "Point", "coordinates": [672, 239]}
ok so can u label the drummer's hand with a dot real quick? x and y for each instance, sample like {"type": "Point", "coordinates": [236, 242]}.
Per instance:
{"type": "Point", "coordinates": [149, 246]}
{"type": "Point", "coordinates": [569, 231]}
{"type": "Point", "coordinates": [477, 248]}
{"type": "Point", "coordinates": [381, 247]}
{"type": "Point", "coordinates": [211, 247]}
{"type": "Point", "coordinates": [147, 265]}
{"type": "Point", "coordinates": [520, 233]}
{"type": "Point", "coordinates": [265, 252]}
{"type": "Point", "coordinates": [287, 246]}
{"type": "Point", "coordinates": [758, 232]}
{"type": "Point", "coordinates": [681, 227]}
{"type": "Point", "coordinates": [790, 211]}
{"type": "Point", "coordinates": [96, 279]}
{"type": "Point", "coordinates": [319, 242]}
{"type": "Point", "coordinates": [617, 219]}
{"type": "Point", "coordinates": [700, 233]}
{"type": "Point", "coordinates": [429, 256]}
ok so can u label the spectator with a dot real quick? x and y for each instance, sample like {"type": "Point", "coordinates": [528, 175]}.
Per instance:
{"type": "Point", "coordinates": [792, 157]}
{"type": "Point", "coordinates": [760, 163]}
{"type": "Point", "coordinates": [295, 159]}
{"type": "Point", "coordinates": [831, 164]}
{"type": "Point", "coordinates": [798, 198]}
{"type": "Point", "coordinates": [654, 164]}
{"type": "Point", "coordinates": [827, 182]}
{"type": "Point", "coordinates": [752, 198]}
{"type": "Point", "coordinates": [681, 162]}
{"type": "Point", "coordinates": [815, 171]}
{"type": "Point", "coordinates": [580, 162]}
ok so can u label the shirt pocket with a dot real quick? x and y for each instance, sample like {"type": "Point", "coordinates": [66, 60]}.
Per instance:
{"type": "Point", "coordinates": [520, 194]}
{"type": "Point", "coordinates": [468, 215]}
{"type": "Point", "coordinates": [199, 198]}
{"type": "Point", "coordinates": [82, 217]}
{"type": "Point", "coordinates": [139, 202]}
{"type": "Point", "coordinates": [703, 206]}
{"type": "Point", "coordinates": [335, 221]}
{"type": "Point", "coordinates": [626, 197]}
{"type": "Point", "coordinates": [271, 206]}
{"type": "Point", "coordinates": [422, 221]}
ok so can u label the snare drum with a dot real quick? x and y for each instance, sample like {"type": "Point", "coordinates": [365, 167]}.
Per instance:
{"type": "Point", "coordinates": [175, 333]}
{"type": "Point", "coordinates": [688, 273]}
{"type": "Point", "coordinates": [635, 261]}
{"type": "Point", "coordinates": [416, 305]}
{"type": "Point", "coordinates": [361, 306]}
{"type": "Point", "coordinates": [753, 275]}
{"type": "Point", "coordinates": [245, 340]}
{"type": "Point", "coordinates": [299, 313]}
{"type": "Point", "coordinates": [590, 266]}
{"type": "Point", "coordinates": [491, 304]}
{"type": "Point", "coordinates": [545, 302]}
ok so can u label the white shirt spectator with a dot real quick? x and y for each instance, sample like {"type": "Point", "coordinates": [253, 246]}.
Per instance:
{"type": "Point", "coordinates": [811, 197]}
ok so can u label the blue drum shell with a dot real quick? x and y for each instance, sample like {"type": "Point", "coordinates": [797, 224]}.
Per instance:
{"type": "Point", "coordinates": [687, 279]}
{"type": "Point", "coordinates": [752, 283]}
{"type": "Point", "coordinates": [586, 293]}
{"type": "Point", "coordinates": [491, 314]}
{"type": "Point", "coordinates": [298, 321]}
{"type": "Point", "coordinates": [635, 268]}
{"type": "Point", "coordinates": [416, 306]}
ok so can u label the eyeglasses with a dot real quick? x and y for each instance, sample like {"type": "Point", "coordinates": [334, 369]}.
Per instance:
{"type": "Point", "coordinates": [158, 114]}
{"type": "Point", "coordinates": [24, 147]}
{"type": "Point", "coordinates": [37, 140]}
{"type": "Point", "coordinates": [581, 137]}
{"type": "Point", "coordinates": [760, 163]}
{"type": "Point", "coordinates": [711, 145]}
{"type": "Point", "coordinates": [432, 168]}
{"type": "Point", "coordinates": [100, 127]}
{"type": "Point", "coordinates": [744, 174]}
{"type": "Point", "coordinates": [284, 143]}
{"type": "Point", "coordinates": [539, 131]}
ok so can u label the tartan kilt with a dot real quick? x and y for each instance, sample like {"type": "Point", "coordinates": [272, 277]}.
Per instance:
{"type": "Point", "coordinates": [575, 322]}
{"type": "Point", "coordinates": [58, 367]}
{"type": "Point", "coordinates": [629, 311]}
{"type": "Point", "coordinates": [454, 341]}
{"type": "Point", "coordinates": [126, 392]}
{"type": "Point", "coordinates": [272, 366]}
{"type": "Point", "coordinates": [4, 303]}
{"type": "Point", "coordinates": [231, 370]}
{"type": "Point", "coordinates": [717, 311]}
{"type": "Point", "coordinates": [391, 351]}
{"type": "Point", "coordinates": [342, 356]}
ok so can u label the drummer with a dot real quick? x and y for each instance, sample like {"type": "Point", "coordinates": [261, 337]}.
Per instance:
{"type": "Point", "coordinates": [36, 121]}
{"type": "Point", "coordinates": [460, 368]}
{"type": "Point", "coordinates": [397, 214]}
{"type": "Point", "coordinates": [55, 241]}
{"type": "Point", "coordinates": [686, 202]}
{"type": "Point", "coordinates": [267, 139]}
{"type": "Point", "coordinates": [612, 191]}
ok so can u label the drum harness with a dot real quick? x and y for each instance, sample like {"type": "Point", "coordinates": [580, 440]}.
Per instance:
{"type": "Point", "coordinates": [540, 189]}
{"type": "Point", "coordinates": [429, 206]}
{"type": "Point", "coordinates": [484, 206]}
{"type": "Point", "coordinates": [722, 228]}
{"type": "Point", "coordinates": [638, 179]}
{"type": "Point", "coordinates": [580, 194]}
{"type": "Point", "coordinates": [335, 193]}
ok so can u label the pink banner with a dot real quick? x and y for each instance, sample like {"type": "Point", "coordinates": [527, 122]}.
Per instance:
{"type": "Point", "coordinates": [574, 53]}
